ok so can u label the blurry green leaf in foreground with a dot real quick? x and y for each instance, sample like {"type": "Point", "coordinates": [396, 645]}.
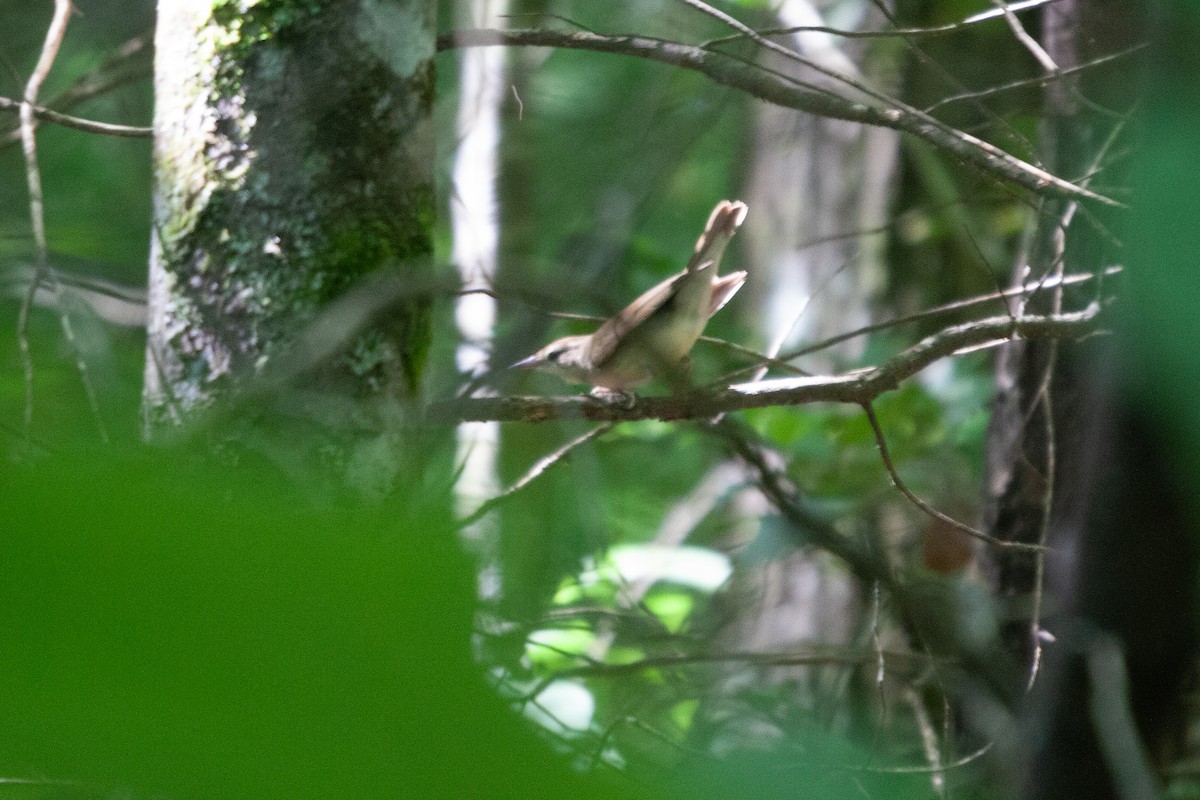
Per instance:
{"type": "Point", "coordinates": [175, 631]}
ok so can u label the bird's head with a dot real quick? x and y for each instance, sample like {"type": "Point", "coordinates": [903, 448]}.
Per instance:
{"type": "Point", "coordinates": [568, 357]}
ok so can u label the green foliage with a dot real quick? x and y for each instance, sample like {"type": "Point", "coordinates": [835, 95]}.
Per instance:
{"type": "Point", "coordinates": [176, 627]}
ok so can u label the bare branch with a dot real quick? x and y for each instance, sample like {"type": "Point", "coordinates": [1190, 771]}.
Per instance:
{"type": "Point", "coordinates": [132, 63]}
{"type": "Point", "coordinates": [730, 71]}
{"type": "Point", "coordinates": [1039, 80]}
{"type": "Point", "coordinates": [858, 387]}
{"type": "Point", "coordinates": [862, 558]}
{"type": "Point", "coordinates": [112, 302]}
{"type": "Point", "coordinates": [1030, 288]}
{"type": "Point", "coordinates": [43, 114]}
{"type": "Point", "coordinates": [892, 33]}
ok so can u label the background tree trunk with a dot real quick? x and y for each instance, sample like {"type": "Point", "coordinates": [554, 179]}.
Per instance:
{"type": "Point", "coordinates": [1073, 462]}
{"type": "Point", "coordinates": [819, 192]}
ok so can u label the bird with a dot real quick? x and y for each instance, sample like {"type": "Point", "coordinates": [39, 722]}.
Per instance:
{"type": "Point", "coordinates": [653, 335]}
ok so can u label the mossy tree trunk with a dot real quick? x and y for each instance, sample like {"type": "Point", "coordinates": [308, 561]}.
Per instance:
{"type": "Point", "coordinates": [293, 163]}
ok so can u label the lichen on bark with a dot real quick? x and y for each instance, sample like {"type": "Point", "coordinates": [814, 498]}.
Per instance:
{"type": "Point", "coordinates": [293, 161]}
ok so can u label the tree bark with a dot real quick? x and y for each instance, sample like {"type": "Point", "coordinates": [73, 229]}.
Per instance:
{"type": "Point", "coordinates": [1075, 462]}
{"type": "Point", "coordinates": [818, 189]}
{"type": "Point", "coordinates": [293, 161]}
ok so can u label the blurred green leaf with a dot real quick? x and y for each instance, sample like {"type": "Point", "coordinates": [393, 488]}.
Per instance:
{"type": "Point", "coordinates": [182, 629]}
{"type": "Point", "coordinates": [671, 607]}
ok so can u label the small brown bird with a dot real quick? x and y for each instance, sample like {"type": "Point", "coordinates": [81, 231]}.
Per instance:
{"type": "Point", "coordinates": [653, 334]}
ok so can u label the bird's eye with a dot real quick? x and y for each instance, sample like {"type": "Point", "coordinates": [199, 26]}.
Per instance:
{"type": "Point", "coordinates": [555, 355]}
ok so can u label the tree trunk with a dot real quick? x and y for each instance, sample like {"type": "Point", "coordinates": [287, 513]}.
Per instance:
{"type": "Point", "coordinates": [1074, 463]}
{"type": "Point", "coordinates": [292, 161]}
{"type": "Point", "coordinates": [818, 191]}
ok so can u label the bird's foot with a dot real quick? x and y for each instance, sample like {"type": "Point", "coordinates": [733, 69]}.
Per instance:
{"type": "Point", "coordinates": [617, 397]}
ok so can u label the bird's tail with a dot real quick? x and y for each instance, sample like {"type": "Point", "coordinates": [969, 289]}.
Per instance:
{"type": "Point", "coordinates": [723, 223]}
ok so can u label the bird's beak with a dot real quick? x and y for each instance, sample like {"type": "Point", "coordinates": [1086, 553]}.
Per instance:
{"type": "Point", "coordinates": [525, 363]}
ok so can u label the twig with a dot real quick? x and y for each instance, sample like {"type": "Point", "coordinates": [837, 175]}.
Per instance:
{"type": "Point", "coordinates": [934, 30]}
{"type": "Point", "coordinates": [961, 762]}
{"type": "Point", "coordinates": [1028, 42]}
{"type": "Point", "coordinates": [935, 66]}
{"type": "Point", "coordinates": [929, 742]}
{"type": "Point", "coordinates": [762, 361]}
{"type": "Point", "coordinates": [540, 466]}
{"type": "Point", "coordinates": [863, 560]}
{"type": "Point", "coordinates": [1039, 562]}
{"type": "Point", "coordinates": [758, 659]}
{"type": "Point", "coordinates": [1040, 80]}
{"type": "Point", "coordinates": [112, 302]}
{"type": "Point", "coordinates": [131, 63]}
{"type": "Point", "coordinates": [877, 639]}
{"type": "Point", "coordinates": [78, 123]}
{"type": "Point", "coordinates": [852, 82]}
{"type": "Point", "coordinates": [520, 105]}
{"type": "Point", "coordinates": [1045, 396]}
{"type": "Point", "coordinates": [951, 307]}
{"type": "Point", "coordinates": [899, 483]}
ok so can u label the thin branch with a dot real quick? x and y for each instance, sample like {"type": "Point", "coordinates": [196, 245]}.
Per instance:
{"type": "Point", "coordinates": [1028, 42]}
{"type": "Point", "coordinates": [131, 63]}
{"type": "Point", "coordinates": [937, 311]}
{"type": "Point", "coordinates": [858, 387]}
{"type": "Point", "coordinates": [727, 70]}
{"type": "Point", "coordinates": [859, 86]}
{"type": "Point", "coordinates": [929, 742]}
{"type": "Point", "coordinates": [762, 361]}
{"type": "Point", "coordinates": [863, 560]}
{"type": "Point", "coordinates": [757, 659]}
{"type": "Point", "coordinates": [1045, 395]}
{"type": "Point", "coordinates": [1040, 80]}
{"type": "Point", "coordinates": [112, 302]}
{"type": "Point", "coordinates": [934, 30]}
{"type": "Point", "coordinates": [935, 66]}
{"type": "Point", "coordinates": [539, 467]}
{"type": "Point", "coordinates": [44, 114]}
{"type": "Point", "coordinates": [960, 762]}
{"type": "Point", "coordinates": [877, 640]}
{"type": "Point", "coordinates": [1039, 564]}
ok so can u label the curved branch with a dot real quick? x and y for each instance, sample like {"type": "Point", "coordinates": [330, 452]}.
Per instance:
{"type": "Point", "coordinates": [859, 387]}
{"type": "Point", "coordinates": [902, 487]}
{"type": "Point", "coordinates": [746, 77]}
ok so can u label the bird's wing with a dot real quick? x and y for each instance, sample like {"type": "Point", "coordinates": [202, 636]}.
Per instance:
{"type": "Point", "coordinates": [609, 335]}
{"type": "Point", "coordinates": [723, 223]}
